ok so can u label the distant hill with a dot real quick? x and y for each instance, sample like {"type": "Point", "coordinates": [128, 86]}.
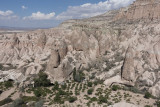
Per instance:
{"type": "Point", "coordinates": [18, 28]}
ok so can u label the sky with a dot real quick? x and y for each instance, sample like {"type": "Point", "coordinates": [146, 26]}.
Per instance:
{"type": "Point", "coordinates": [50, 13]}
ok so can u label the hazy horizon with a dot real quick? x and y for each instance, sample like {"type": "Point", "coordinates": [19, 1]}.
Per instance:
{"type": "Point", "coordinates": [50, 13]}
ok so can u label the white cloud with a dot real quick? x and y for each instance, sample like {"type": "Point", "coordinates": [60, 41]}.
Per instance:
{"type": "Point", "coordinates": [6, 13]}
{"type": "Point", "coordinates": [89, 10]}
{"type": "Point", "coordinates": [40, 16]}
{"type": "Point", "coordinates": [24, 7]}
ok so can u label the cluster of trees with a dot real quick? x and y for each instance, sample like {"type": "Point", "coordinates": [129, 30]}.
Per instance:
{"type": "Point", "coordinates": [42, 80]}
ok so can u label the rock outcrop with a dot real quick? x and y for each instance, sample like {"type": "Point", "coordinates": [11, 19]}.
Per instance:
{"type": "Point", "coordinates": [155, 90]}
{"type": "Point", "coordinates": [128, 70]}
{"type": "Point", "coordinates": [54, 60]}
{"type": "Point", "coordinates": [141, 10]}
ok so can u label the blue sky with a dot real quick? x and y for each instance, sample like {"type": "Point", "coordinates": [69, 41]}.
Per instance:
{"type": "Point", "coordinates": [49, 13]}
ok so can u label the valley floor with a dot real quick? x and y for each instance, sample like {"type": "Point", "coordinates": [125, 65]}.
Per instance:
{"type": "Point", "coordinates": [83, 94]}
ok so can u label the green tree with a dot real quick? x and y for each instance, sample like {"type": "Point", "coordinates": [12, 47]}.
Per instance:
{"type": "Point", "coordinates": [42, 80]}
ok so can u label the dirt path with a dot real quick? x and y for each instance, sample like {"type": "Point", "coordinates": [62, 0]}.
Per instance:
{"type": "Point", "coordinates": [5, 94]}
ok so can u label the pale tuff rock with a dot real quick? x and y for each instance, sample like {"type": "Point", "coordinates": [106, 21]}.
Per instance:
{"type": "Point", "coordinates": [61, 46]}
{"type": "Point", "coordinates": [128, 71]}
{"type": "Point", "coordinates": [94, 47]}
{"type": "Point", "coordinates": [158, 74]}
{"type": "Point", "coordinates": [115, 79]}
{"type": "Point", "coordinates": [124, 104]}
{"type": "Point", "coordinates": [157, 52]}
{"type": "Point", "coordinates": [148, 78]}
{"type": "Point", "coordinates": [42, 40]}
{"type": "Point", "coordinates": [110, 73]}
{"type": "Point", "coordinates": [54, 60]}
{"type": "Point", "coordinates": [141, 9]}
{"type": "Point", "coordinates": [15, 41]}
{"type": "Point", "coordinates": [61, 72]}
{"type": "Point", "coordinates": [155, 90]}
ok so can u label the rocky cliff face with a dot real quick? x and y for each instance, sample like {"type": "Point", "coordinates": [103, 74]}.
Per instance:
{"type": "Point", "coordinates": [141, 9]}
{"type": "Point", "coordinates": [127, 50]}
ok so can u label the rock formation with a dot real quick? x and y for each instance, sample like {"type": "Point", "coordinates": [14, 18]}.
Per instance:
{"type": "Point", "coordinates": [128, 72]}
{"type": "Point", "coordinates": [141, 9]}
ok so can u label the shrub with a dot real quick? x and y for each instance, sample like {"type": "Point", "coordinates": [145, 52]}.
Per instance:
{"type": "Point", "coordinates": [72, 99]}
{"type": "Point", "coordinates": [90, 91]}
{"type": "Point", "coordinates": [64, 86]}
{"type": "Point", "coordinates": [8, 84]}
{"type": "Point", "coordinates": [5, 101]}
{"type": "Point", "coordinates": [39, 92]}
{"type": "Point", "coordinates": [56, 86]}
{"type": "Point", "coordinates": [47, 91]}
{"type": "Point", "coordinates": [61, 92]}
{"type": "Point", "coordinates": [102, 99]}
{"type": "Point", "coordinates": [147, 95]}
{"type": "Point", "coordinates": [95, 82]}
{"type": "Point", "coordinates": [147, 106]}
{"type": "Point", "coordinates": [98, 81]}
{"type": "Point", "coordinates": [42, 80]}
{"type": "Point", "coordinates": [93, 99]}
{"type": "Point", "coordinates": [89, 84]}
{"type": "Point", "coordinates": [77, 93]}
{"type": "Point", "coordinates": [57, 99]}
{"type": "Point", "coordinates": [115, 87]}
